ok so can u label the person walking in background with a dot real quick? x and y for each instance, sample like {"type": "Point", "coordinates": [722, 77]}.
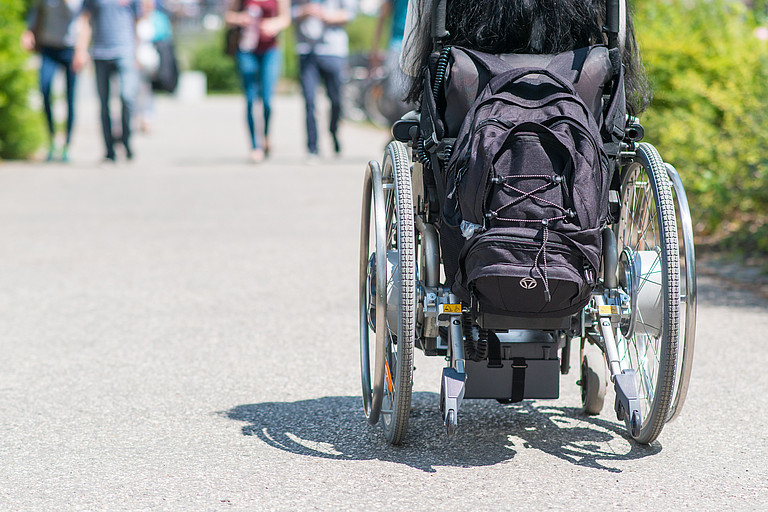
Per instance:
{"type": "Point", "coordinates": [395, 81]}
{"type": "Point", "coordinates": [52, 26]}
{"type": "Point", "coordinates": [257, 24]}
{"type": "Point", "coordinates": [323, 47]}
{"type": "Point", "coordinates": [397, 10]}
{"type": "Point", "coordinates": [111, 26]}
{"type": "Point", "coordinates": [153, 28]}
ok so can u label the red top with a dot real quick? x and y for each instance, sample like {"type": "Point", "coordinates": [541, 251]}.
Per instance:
{"type": "Point", "coordinates": [268, 10]}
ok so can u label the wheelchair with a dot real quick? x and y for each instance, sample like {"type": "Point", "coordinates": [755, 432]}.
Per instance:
{"type": "Point", "coordinates": [637, 331]}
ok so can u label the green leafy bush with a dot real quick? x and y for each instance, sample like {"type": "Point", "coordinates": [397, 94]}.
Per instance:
{"type": "Point", "coordinates": [709, 116]}
{"type": "Point", "coordinates": [21, 128]}
{"type": "Point", "coordinates": [360, 31]}
{"type": "Point", "coordinates": [220, 69]}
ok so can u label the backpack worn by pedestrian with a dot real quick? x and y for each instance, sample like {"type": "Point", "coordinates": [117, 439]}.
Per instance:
{"type": "Point", "coordinates": [233, 33]}
{"type": "Point", "coordinates": [167, 77]}
{"type": "Point", "coordinates": [527, 176]}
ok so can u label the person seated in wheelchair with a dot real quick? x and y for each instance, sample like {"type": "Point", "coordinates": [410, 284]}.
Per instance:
{"type": "Point", "coordinates": [554, 222]}
{"type": "Point", "coordinates": [524, 106]}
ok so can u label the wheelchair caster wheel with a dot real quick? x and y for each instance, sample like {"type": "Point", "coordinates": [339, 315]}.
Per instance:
{"type": "Point", "coordinates": [594, 379]}
{"type": "Point", "coordinates": [451, 424]}
{"type": "Point", "coordinates": [635, 423]}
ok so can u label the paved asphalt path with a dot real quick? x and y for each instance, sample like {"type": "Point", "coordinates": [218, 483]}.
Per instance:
{"type": "Point", "coordinates": [180, 333]}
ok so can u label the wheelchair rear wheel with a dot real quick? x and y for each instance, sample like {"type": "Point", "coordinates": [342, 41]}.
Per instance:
{"type": "Point", "coordinates": [388, 292]}
{"type": "Point", "coordinates": [649, 272]}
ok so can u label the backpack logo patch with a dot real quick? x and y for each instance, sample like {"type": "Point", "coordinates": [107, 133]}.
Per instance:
{"type": "Point", "coordinates": [528, 283]}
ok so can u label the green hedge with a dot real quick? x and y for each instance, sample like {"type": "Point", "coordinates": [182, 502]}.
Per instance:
{"type": "Point", "coordinates": [219, 69]}
{"type": "Point", "coordinates": [21, 128]}
{"type": "Point", "coordinates": [709, 116]}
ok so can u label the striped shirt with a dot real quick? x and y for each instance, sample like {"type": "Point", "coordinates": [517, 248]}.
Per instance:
{"type": "Point", "coordinates": [314, 36]}
{"type": "Point", "coordinates": [113, 23]}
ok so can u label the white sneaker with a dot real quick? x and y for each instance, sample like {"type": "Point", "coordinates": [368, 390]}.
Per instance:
{"type": "Point", "coordinates": [312, 159]}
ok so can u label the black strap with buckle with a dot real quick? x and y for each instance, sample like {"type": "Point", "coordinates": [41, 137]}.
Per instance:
{"type": "Point", "coordinates": [518, 379]}
{"type": "Point", "coordinates": [494, 351]}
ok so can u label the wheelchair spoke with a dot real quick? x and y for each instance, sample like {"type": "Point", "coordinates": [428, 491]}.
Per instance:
{"type": "Point", "coordinates": [655, 269]}
{"type": "Point", "coordinates": [646, 222]}
{"type": "Point", "coordinates": [650, 224]}
{"type": "Point", "coordinates": [391, 367]}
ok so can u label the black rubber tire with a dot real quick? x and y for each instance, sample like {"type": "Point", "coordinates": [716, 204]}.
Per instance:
{"type": "Point", "coordinates": [396, 404]}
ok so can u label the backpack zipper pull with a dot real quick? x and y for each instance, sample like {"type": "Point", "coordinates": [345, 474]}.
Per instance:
{"type": "Point", "coordinates": [459, 175]}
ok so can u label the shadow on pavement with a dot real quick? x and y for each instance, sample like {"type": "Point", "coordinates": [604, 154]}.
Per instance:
{"type": "Point", "coordinates": [489, 433]}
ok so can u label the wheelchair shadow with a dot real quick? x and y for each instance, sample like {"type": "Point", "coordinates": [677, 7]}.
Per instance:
{"type": "Point", "coordinates": [489, 433]}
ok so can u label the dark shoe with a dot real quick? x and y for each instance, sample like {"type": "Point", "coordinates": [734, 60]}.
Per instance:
{"type": "Point", "coordinates": [336, 145]}
{"type": "Point", "coordinates": [128, 152]}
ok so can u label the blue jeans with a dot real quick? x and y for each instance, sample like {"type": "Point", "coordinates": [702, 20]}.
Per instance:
{"type": "Point", "coordinates": [51, 59]}
{"type": "Point", "coordinates": [330, 69]}
{"type": "Point", "coordinates": [259, 74]}
{"type": "Point", "coordinates": [128, 75]}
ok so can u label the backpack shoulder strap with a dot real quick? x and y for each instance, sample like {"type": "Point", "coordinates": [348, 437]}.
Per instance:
{"type": "Point", "coordinates": [431, 124]}
{"type": "Point", "coordinates": [465, 79]}
{"type": "Point", "coordinates": [616, 108]}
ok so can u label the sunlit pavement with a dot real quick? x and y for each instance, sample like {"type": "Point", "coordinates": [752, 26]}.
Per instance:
{"type": "Point", "coordinates": [180, 333]}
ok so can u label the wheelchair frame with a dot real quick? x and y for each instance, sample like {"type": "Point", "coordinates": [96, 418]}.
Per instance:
{"type": "Point", "coordinates": [638, 329]}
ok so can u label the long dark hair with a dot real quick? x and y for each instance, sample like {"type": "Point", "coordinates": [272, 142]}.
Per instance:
{"type": "Point", "coordinates": [523, 26]}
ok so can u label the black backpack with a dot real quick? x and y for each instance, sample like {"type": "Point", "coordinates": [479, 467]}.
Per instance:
{"type": "Point", "coordinates": [526, 181]}
{"type": "Point", "coordinates": [167, 77]}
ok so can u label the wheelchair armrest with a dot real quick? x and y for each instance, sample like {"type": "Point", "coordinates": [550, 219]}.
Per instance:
{"type": "Point", "coordinates": [406, 128]}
